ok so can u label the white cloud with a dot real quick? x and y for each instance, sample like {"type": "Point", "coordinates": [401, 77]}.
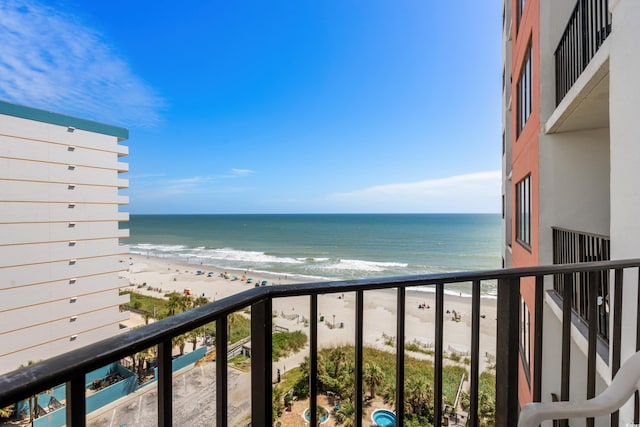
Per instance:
{"type": "Point", "coordinates": [242, 172]}
{"type": "Point", "coordinates": [51, 60]}
{"type": "Point", "coordinates": [188, 186]}
{"type": "Point", "coordinates": [475, 192]}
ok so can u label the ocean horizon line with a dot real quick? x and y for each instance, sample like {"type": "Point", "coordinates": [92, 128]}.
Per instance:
{"type": "Point", "coordinates": [313, 213]}
{"type": "Point", "coordinates": [324, 246]}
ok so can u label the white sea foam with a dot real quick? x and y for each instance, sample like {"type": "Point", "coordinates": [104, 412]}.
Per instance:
{"type": "Point", "coordinates": [295, 276]}
{"type": "Point", "coordinates": [202, 254]}
{"type": "Point", "coordinates": [148, 248]}
{"type": "Point", "coordinates": [229, 254]}
{"type": "Point", "coordinates": [361, 265]}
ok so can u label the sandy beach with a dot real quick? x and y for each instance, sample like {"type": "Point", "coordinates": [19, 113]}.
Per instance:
{"type": "Point", "coordinates": [337, 310]}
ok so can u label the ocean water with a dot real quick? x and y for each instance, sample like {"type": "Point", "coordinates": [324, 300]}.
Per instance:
{"type": "Point", "coordinates": [316, 247]}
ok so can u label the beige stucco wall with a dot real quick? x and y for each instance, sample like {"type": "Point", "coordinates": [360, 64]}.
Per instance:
{"type": "Point", "coordinates": [60, 253]}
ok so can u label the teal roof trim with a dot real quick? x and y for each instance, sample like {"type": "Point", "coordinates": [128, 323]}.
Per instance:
{"type": "Point", "coordinates": [30, 113]}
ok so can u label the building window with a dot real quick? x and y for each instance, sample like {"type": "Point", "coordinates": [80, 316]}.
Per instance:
{"type": "Point", "coordinates": [524, 92]}
{"type": "Point", "coordinates": [523, 211]}
{"type": "Point", "coordinates": [520, 6]}
{"type": "Point", "coordinates": [525, 335]}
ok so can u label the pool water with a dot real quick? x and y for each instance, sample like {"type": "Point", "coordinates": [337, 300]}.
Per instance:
{"type": "Point", "coordinates": [383, 418]}
{"type": "Point", "coordinates": [324, 414]}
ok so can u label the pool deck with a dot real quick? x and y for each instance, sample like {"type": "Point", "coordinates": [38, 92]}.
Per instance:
{"type": "Point", "coordinates": [295, 417]}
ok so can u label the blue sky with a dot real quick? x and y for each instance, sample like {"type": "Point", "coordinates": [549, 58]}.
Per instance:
{"type": "Point", "coordinates": [288, 106]}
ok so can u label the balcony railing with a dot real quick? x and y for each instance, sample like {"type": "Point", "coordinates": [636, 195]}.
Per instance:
{"type": "Point", "coordinates": [71, 368]}
{"type": "Point", "coordinates": [570, 247]}
{"type": "Point", "coordinates": [588, 27]}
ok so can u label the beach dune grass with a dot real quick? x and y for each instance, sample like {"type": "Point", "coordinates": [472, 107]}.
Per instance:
{"type": "Point", "coordinates": [239, 324]}
{"type": "Point", "coordinates": [145, 303]}
{"type": "Point", "coordinates": [284, 343]}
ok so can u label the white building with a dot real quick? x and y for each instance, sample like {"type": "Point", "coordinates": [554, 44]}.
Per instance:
{"type": "Point", "coordinates": [60, 256]}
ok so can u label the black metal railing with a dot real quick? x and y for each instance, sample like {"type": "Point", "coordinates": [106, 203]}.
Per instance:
{"type": "Point", "coordinates": [570, 247]}
{"type": "Point", "coordinates": [588, 27]}
{"type": "Point", "coordinates": [71, 368]}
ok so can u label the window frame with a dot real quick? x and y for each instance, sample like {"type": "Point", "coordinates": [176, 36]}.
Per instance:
{"type": "Point", "coordinates": [523, 212]}
{"type": "Point", "coordinates": [523, 89]}
{"type": "Point", "coordinates": [520, 5]}
{"type": "Point", "coordinates": [525, 337]}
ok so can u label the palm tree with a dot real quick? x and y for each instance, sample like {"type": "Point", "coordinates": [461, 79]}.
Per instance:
{"type": "Point", "coordinates": [346, 414]}
{"type": "Point", "coordinates": [372, 376]}
{"type": "Point", "coordinates": [322, 364]}
{"type": "Point", "coordinates": [486, 408]}
{"type": "Point", "coordinates": [301, 387]}
{"type": "Point", "coordinates": [418, 397]}
{"type": "Point", "coordinates": [389, 394]}
{"type": "Point", "coordinates": [193, 336]}
{"type": "Point", "coordinates": [200, 301]}
{"type": "Point", "coordinates": [337, 356]}
{"type": "Point", "coordinates": [230, 322]}
{"type": "Point", "coordinates": [346, 380]}
{"type": "Point", "coordinates": [33, 400]}
{"type": "Point", "coordinates": [139, 360]}
{"type": "Point", "coordinates": [174, 304]}
{"type": "Point", "coordinates": [7, 411]}
{"type": "Point", "coordinates": [185, 302]}
{"type": "Point", "coordinates": [181, 342]}
{"type": "Point", "coordinates": [277, 401]}
{"type": "Point", "coordinates": [304, 366]}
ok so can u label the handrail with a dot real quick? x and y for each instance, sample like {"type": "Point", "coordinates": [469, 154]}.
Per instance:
{"type": "Point", "coordinates": [571, 246]}
{"type": "Point", "coordinates": [20, 383]}
{"type": "Point", "coordinates": [625, 383]}
{"type": "Point", "coordinates": [29, 380]}
{"type": "Point", "coordinates": [584, 233]}
{"type": "Point", "coordinates": [71, 367]}
{"type": "Point", "coordinates": [588, 27]}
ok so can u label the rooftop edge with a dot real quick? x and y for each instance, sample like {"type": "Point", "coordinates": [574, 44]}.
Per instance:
{"type": "Point", "coordinates": [51, 117]}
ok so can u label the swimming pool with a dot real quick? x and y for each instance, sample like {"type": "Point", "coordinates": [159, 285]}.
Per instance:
{"type": "Point", "coordinates": [383, 418]}
{"type": "Point", "coordinates": [323, 414]}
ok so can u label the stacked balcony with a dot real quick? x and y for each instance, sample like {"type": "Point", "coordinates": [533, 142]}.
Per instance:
{"type": "Point", "coordinates": [588, 27]}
